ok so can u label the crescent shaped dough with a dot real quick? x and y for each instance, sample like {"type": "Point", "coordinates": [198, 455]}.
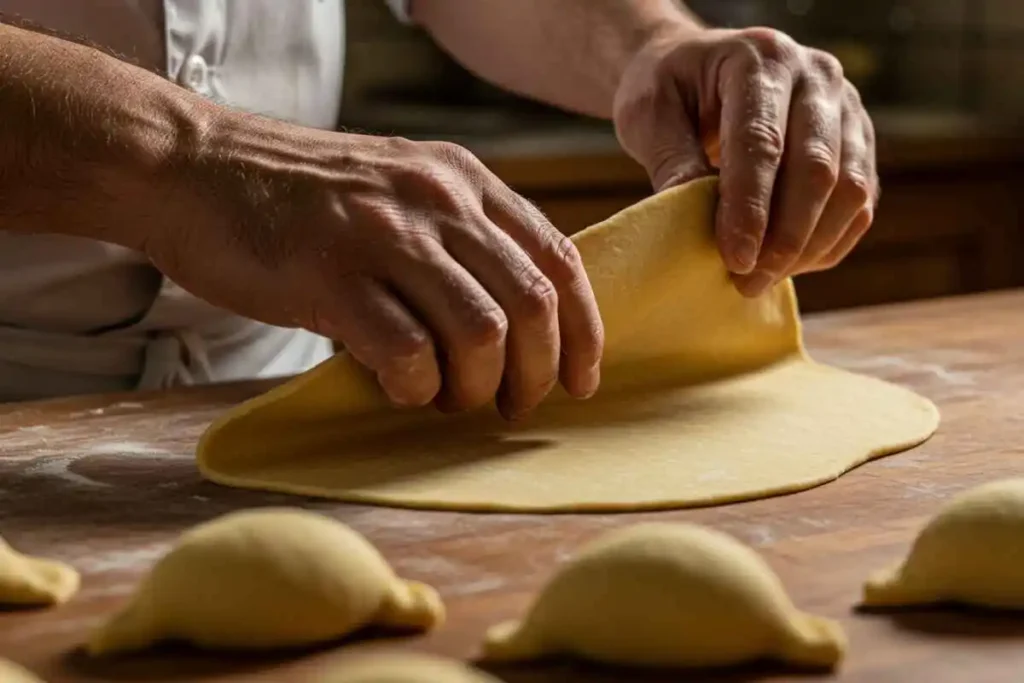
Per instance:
{"type": "Point", "coordinates": [33, 581]}
{"type": "Point", "coordinates": [971, 552]}
{"type": "Point", "coordinates": [12, 673]}
{"type": "Point", "coordinates": [707, 397]}
{"type": "Point", "coordinates": [402, 667]}
{"type": "Point", "coordinates": [267, 578]}
{"type": "Point", "coordinates": [667, 595]}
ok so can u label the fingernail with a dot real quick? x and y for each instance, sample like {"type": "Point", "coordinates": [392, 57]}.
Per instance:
{"type": "Point", "coordinates": [745, 251]}
{"type": "Point", "coordinates": [757, 283]}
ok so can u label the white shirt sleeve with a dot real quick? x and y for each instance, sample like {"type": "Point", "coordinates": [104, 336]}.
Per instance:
{"type": "Point", "coordinates": [400, 8]}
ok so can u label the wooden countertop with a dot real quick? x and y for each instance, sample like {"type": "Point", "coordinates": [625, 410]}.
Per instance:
{"type": "Point", "coordinates": [107, 482]}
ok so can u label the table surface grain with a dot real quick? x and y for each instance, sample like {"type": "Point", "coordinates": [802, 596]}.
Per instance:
{"type": "Point", "coordinates": [106, 483]}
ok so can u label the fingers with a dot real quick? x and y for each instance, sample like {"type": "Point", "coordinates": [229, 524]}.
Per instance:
{"type": "Point", "coordinates": [806, 177]}
{"type": "Point", "coordinates": [467, 323]}
{"type": "Point", "coordinates": [530, 303]}
{"type": "Point", "coordinates": [755, 109]}
{"type": "Point", "coordinates": [502, 294]}
{"type": "Point", "coordinates": [852, 200]}
{"type": "Point", "coordinates": [856, 229]}
{"type": "Point", "coordinates": [579, 322]}
{"type": "Point", "coordinates": [384, 336]}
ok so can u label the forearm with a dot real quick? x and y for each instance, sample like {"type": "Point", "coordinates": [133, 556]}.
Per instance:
{"type": "Point", "coordinates": [87, 140]}
{"type": "Point", "coordinates": [569, 53]}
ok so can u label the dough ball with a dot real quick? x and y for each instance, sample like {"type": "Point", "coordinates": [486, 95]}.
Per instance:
{"type": "Point", "coordinates": [667, 595]}
{"type": "Point", "coordinates": [403, 667]}
{"type": "Point", "coordinates": [32, 581]}
{"type": "Point", "coordinates": [972, 552]}
{"type": "Point", "coordinates": [12, 673]}
{"type": "Point", "coordinates": [268, 578]}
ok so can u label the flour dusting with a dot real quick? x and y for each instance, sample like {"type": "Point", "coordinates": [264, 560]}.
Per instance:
{"type": "Point", "coordinates": [485, 585]}
{"type": "Point", "coordinates": [761, 535]}
{"type": "Point", "coordinates": [59, 466]}
{"type": "Point", "coordinates": [133, 448]}
{"type": "Point", "coordinates": [936, 370]}
{"type": "Point", "coordinates": [434, 565]}
{"type": "Point", "coordinates": [121, 560]}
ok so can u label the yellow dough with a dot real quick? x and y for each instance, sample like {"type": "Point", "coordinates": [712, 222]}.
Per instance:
{"type": "Point", "coordinates": [667, 595]}
{"type": "Point", "coordinates": [267, 578]}
{"type": "Point", "coordinates": [12, 673]}
{"type": "Point", "coordinates": [33, 581]}
{"type": "Point", "coordinates": [972, 552]}
{"type": "Point", "coordinates": [707, 397]}
{"type": "Point", "coordinates": [401, 667]}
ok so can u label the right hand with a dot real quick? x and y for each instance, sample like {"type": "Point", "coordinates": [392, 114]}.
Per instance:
{"type": "Point", "coordinates": [433, 274]}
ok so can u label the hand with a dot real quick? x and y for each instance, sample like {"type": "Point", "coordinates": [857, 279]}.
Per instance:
{"type": "Point", "coordinates": [794, 145]}
{"type": "Point", "coordinates": [433, 273]}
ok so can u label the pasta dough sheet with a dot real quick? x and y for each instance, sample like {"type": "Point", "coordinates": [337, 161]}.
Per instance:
{"type": "Point", "coordinates": [707, 397]}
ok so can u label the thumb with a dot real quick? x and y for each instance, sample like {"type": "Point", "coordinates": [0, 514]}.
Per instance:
{"type": "Point", "coordinates": [657, 131]}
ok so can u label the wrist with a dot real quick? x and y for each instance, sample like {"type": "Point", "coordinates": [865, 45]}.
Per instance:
{"type": "Point", "coordinates": [158, 148]}
{"type": "Point", "coordinates": [657, 38]}
{"type": "Point", "coordinates": [93, 160]}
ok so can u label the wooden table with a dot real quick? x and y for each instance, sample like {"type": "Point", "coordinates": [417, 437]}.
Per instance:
{"type": "Point", "coordinates": [107, 482]}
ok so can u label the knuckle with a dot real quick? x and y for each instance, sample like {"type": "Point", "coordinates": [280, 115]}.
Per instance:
{"type": "Point", "coordinates": [417, 245]}
{"type": "Point", "coordinates": [538, 298]}
{"type": "Point", "coordinates": [407, 347]}
{"type": "Point", "coordinates": [453, 155]}
{"type": "Point", "coordinates": [857, 187]}
{"type": "Point", "coordinates": [763, 139]}
{"type": "Point", "coordinates": [566, 261]}
{"type": "Point", "coordinates": [753, 211]}
{"type": "Point", "coordinates": [430, 184]}
{"type": "Point", "coordinates": [771, 45]}
{"type": "Point", "coordinates": [486, 329]}
{"type": "Point", "coordinates": [865, 219]}
{"type": "Point", "coordinates": [828, 67]}
{"type": "Point", "coordinates": [744, 52]}
{"type": "Point", "coordinates": [820, 169]}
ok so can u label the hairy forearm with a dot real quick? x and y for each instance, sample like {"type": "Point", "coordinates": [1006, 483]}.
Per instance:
{"type": "Point", "coordinates": [569, 53]}
{"type": "Point", "coordinates": [88, 141]}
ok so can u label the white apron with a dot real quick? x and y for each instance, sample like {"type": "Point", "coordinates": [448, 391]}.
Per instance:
{"type": "Point", "coordinates": [80, 316]}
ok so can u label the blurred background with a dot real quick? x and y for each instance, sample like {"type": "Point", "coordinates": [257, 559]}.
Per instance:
{"type": "Point", "coordinates": [944, 80]}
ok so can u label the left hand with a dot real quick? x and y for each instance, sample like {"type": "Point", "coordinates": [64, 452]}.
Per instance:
{"type": "Point", "coordinates": [794, 145]}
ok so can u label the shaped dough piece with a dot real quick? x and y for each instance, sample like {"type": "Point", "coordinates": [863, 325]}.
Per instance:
{"type": "Point", "coordinates": [667, 595]}
{"type": "Point", "coordinates": [12, 673]}
{"type": "Point", "coordinates": [33, 581]}
{"type": "Point", "coordinates": [707, 397]}
{"type": "Point", "coordinates": [402, 667]}
{"type": "Point", "coordinates": [972, 552]}
{"type": "Point", "coordinates": [268, 578]}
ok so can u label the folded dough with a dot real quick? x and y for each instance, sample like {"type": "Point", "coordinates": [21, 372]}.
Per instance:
{"type": "Point", "coordinates": [972, 552]}
{"type": "Point", "coordinates": [267, 578]}
{"type": "Point", "coordinates": [402, 667]}
{"type": "Point", "coordinates": [33, 581]}
{"type": "Point", "coordinates": [667, 595]}
{"type": "Point", "coordinates": [707, 397]}
{"type": "Point", "coordinates": [12, 673]}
